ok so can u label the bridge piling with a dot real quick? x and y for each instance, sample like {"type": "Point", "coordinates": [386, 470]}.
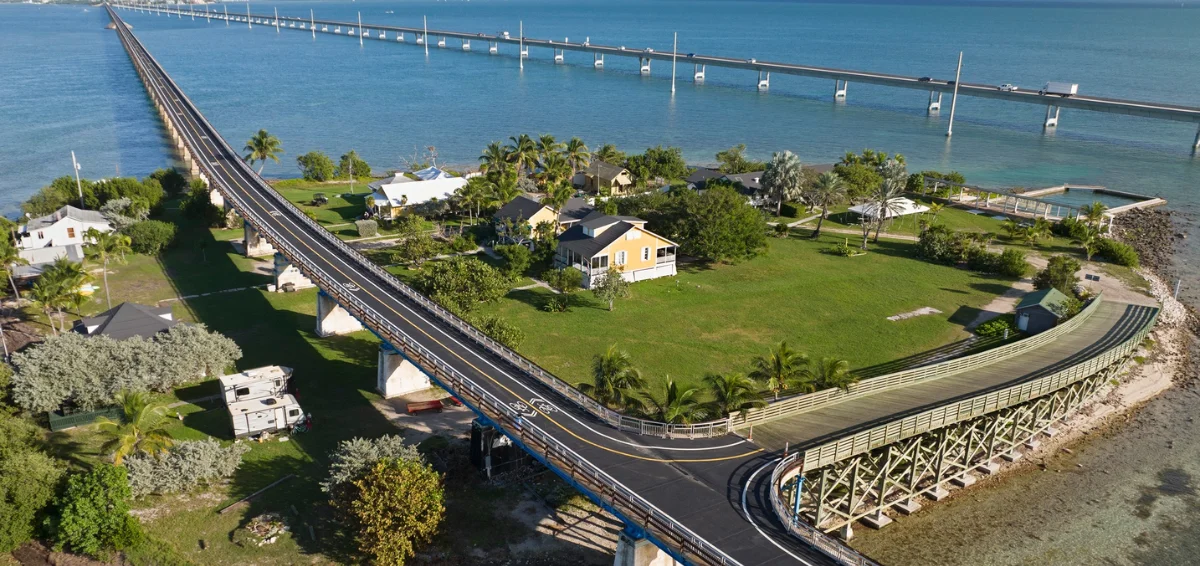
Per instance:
{"type": "Point", "coordinates": [698, 73]}
{"type": "Point", "coordinates": [254, 243]}
{"type": "Point", "coordinates": [286, 273]}
{"type": "Point", "coordinates": [839, 89]}
{"type": "Point", "coordinates": [466, 45]}
{"type": "Point", "coordinates": [493, 47]}
{"type": "Point", "coordinates": [1052, 111]}
{"type": "Point", "coordinates": [644, 65]}
{"type": "Point", "coordinates": [598, 62]}
{"type": "Point", "coordinates": [633, 549]}
{"type": "Point", "coordinates": [441, 42]}
{"type": "Point", "coordinates": [332, 319]}
{"type": "Point", "coordinates": [764, 81]}
{"type": "Point", "coordinates": [559, 56]}
{"type": "Point", "coordinates": [935, 104]}
{"type": "Point", "coordinates": [397, 375]}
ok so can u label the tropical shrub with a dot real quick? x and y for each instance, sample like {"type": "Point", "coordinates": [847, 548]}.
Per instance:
{"type": "Point", "coordinates": [463, 243]}
{"type": "Point", "coordinates": [843, 249]}
{"type": "Point", "coordinates": [517, 259]}
{"type": "Point", "coordinates": [151, 237]}
{"type": "Point", "coordinates": [92, 515]}
{"type": "Point", "coordinates": [461, 283]}
{"type": "Point", "coordinates": [1116, 252]}
{"type": "Point", "coordinates": [396, 506]}
{"type": "Point", "coordinates": [997, 327]}
{"type": "Point", "coordinates": [1060, 274]}
{"type": "Point", "coordinates": [315, 166]}
{"type": "Point", "coordinates": [184, 466]}
{"type": "Point", "coordinates": [1012, 263]}
{"type": "Point", "coordinates": [790, 209]}
{"type": "Point", "coordinates": [28, 480]}
{"type": "Point", "coordinates": [500, 330]}
{"type": "Point", "coordinates": [355, 457]}
{"type": "Point", "coordinates": [367, 228]}
{"type": "Point", "coordinates": [171, 181]}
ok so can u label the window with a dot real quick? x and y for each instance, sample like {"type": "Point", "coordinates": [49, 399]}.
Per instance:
{"type": "Point", "coordinates": [293, 412]}
{"type": "Point", "coordinates": [41, 235]}
{"type": "Point", "coordinates": [241, 391]}
{"type": "Point", "coordinates": [621, 257]}
{"type": "Point", "coordinates": [70, 231]}
{"type": "Point", "coordinates": [645, 254]}
{"type": "Point", "coordinates": [600, 262]}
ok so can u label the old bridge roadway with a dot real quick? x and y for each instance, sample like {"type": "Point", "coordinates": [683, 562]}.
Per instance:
{"type": "Point", "coordinates": [698, 493]}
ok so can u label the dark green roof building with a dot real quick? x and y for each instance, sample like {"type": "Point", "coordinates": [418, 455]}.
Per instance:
{"type": "Point", "coordinates": [1039, 310]}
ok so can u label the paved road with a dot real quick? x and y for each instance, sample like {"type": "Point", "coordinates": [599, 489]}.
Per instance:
{"type": "Point", "coordinates": [698, 483]}
{"type": "Point", "coordinates": [1029, 95]}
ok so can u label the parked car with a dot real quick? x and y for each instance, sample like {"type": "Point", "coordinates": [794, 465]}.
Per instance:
{"type": "Point", "coordinates": [690, 55]}
{"type": "Point", "coordinates": [622, 48]}
{"type": "Point", "coordinates": [648, 50]}
{"type": "Point", "coordinates": [925, 79]}
{"type": "Point", "coordinates": [751, 60]}
{"type": "Point", "coordinates": [951, 83]}
{"type": "Point", "coordinates": [1006, 87]}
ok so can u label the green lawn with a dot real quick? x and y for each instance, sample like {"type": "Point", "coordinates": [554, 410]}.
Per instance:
{"type": "Point", "coordinates": [716, 319]}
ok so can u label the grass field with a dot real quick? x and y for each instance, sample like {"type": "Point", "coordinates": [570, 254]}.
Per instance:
{"type": "Point", "coordinates": [716, 319]}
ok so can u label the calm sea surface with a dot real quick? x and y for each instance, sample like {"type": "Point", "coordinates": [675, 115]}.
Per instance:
{"type": "Point", "coordinates": [66, 84]}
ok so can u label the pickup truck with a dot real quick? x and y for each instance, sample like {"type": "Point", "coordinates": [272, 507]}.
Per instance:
{"type": "Point", "coordinates": [1061, 89]}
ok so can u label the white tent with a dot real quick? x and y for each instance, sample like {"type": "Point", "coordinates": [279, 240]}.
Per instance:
{"type": "Point", "coordinates": [435, 184]}
{"type": "Point", "coordinates": [896, 208]}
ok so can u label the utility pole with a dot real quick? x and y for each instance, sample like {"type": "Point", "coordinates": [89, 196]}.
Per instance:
{"type": "Point", "coordinates": [425, 25]}
{"type": "Point", "coordinates": [360, 32]}
{"type": "Point", "coordinates": [226, 8]}
{"type": "Point", "coordinates": [521, 44]}
{"type": "Point", "coordinates": [312, 23]}
{"type": "Point", "coordinates": [248, 24]}
{"type": "Point", "coordinates": [954, 99]}
{"type": "Point", "coordinates": [276, 20]}
{"type": "Point", "coordinates": [78, 185]}
{"type": "Point", "coordinates": [674, 54]}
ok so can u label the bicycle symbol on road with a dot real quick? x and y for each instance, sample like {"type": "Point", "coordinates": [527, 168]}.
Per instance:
{"type": "Point", "coordinates": [542, 405]}
{"type": "Point", "coordinates": [522, 409]}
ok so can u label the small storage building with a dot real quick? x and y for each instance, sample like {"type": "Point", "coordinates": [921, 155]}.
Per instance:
{"type": "Point", "coordinates": [267, 414]}
{"type": "Point", "coordinates": [269, 381]}
{"type": "Point", "coordinates": [1039, 311]}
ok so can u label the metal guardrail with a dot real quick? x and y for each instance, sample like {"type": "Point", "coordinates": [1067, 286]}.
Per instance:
{"type": "Point", "coordinates": [619, 498]}
{"type": "Point", "coordinates": [894, 431]}
{"type": "Point", "coordinates": [812, 401]}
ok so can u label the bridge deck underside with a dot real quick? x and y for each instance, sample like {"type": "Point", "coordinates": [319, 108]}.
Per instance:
{"type": "Point", "coordinates": [1110, 325]}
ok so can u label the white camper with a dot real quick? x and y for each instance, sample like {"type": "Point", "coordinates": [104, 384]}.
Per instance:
{"type": "Point", "coordinates": [269, 381]}
{"type": "Point", "coordinates": [268, 414]}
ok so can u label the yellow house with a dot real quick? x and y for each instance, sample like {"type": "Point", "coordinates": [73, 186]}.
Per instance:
{"type": "Point", "coordinates": [607, 179]}
{"type": "Point", "coordinates": [600, 241]}
{"type": "Point", "coordinates": [527, 211]}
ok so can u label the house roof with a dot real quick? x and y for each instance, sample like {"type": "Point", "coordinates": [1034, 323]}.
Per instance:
{"type": "Point", "coordinates": [67, 211]}
{"type": "Point", "coordinates": [576, 240]}
{"type": "Point", "coordinates": [127, 320]}
{"type": "Point", "coordinates": [748, 180]}
{"type": "Point", "coordinates": [702, 175]}
{"type": "Point", "coordinates": [393, 180]}
{"type": "Point", "coordinates": [520, 208]}
{"type": "Point", "coordinates": [40, 258]}
{"type": "Point", "coordinates": [1048, 299]}
{"type": "Point", "coordinates": [417, 192]}
{"type": "Point", "coordinates": [575, 210]}
{"type": "Point", "coordinates": [606, 171]}
{"type": "Point", "coordinates": [432, 174]}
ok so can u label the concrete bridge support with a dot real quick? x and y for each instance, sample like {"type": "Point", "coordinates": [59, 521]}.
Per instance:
{"type": "Point", "coordinates": [935, 104]}
{"type": "Point", "coordinates": [400, 37]}
{"type": "Point", "coordinates": [420, 39]}
{"type": "Point", "coordinates": [865, 487]}
{"type": "Point", "coordinates": [559, 56]}
{"type": "Point", "coordinates": [466, 45]}
{"type": "Point", "coordinates": [493, 47]}
{"type": "Point", "coordinates": [1196, 142]}
{"type": "Point", "coordinates": [764, 81]}
{"type": "Point", "coordinates": [441, 42]}
{"type": "Point", "coordinates": [698, 73]}
{"type": "Point", "coordinates": [332, 319]}
{"type": "Point", "coordinates": [524, 52]}
{"type": "Point", "coordinates": [644, 65]}
{"type": "Point", "coordinates": [255, 244]}
{"type": "Point", "coordinates": [634, 550]}
{"type": "Point", "coordinates": [397, 376]}
{"type": "Point", "coordinates": [598, 61]}
{"type": "Point", "coordinates": [839, 89]}
{"type": "Point", "coordinates": [1052, 116]}
{"type": "Point", "coordinates": [287, 274]}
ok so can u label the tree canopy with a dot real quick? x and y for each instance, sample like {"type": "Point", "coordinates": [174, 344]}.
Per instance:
{"type": "Point", "coordinates": [315, 166]}
{"type": "Point", "coordinates": [462, 283]}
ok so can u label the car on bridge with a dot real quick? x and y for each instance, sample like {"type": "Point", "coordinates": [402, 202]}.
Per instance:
{"type": "Point", "coordinates": [924, 79]}
{"type": "Point", "coordinates": [1006, 87]}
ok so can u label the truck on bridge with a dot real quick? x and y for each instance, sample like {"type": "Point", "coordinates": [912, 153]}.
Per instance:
{"type": "Point", "coordinates": [1061, 89]}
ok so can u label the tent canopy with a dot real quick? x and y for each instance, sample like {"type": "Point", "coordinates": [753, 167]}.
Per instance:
{"type": "Point", "coordinates": [896, 208]}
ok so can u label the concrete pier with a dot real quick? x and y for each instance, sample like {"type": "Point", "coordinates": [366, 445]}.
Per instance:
{"type": "Point", "coordinates": [1051, 116]}
{"type": "Point", "coordinates": [635, 550]}
{"type": "Point", "coordinates": [598, 62]}
{"type": "Point", "coordinates": [935, 102]}
{"type": "Point", "coordinates": [644, 65]}
{"type": "Point", "coordinates": [287, 273]}
{"type": "Point", "coordinates": [441, 42]}
{"type": "Point", "coordinates": [839, 89]}
{"type": "Point", "coordinates": [332, 319]}
{"type": "Point", "coordinates": [255, 244]}
{"type": "Point", "coordinates": [698, 73]}
{"type": "Point", "coordinates": [493, 47]}
{"type": "Point", "coordinates": [764, 81]}
{"type": "Point", "coordinates": [397, 376]}
{"type": "Point", "coordinates": [466, 45]}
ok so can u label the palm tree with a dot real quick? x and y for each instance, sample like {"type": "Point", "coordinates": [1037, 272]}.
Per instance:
{"type": "Point", "coordinates": [58, 288]}
{"type": "Point", "coordinates": [495, 159]}
{"type": "Point", "coordinates": [675, 406]}
{"type": "Point", "coordinates": [783, 178]}
{"type": "Point", "coordinates": [261, 147]}
{"type": "Point", "coordinates": [613, 379]}
{"type": "Point", "coordinates": [504, 190]}
{"type": "Point", "coordinates": [935, 208]}
{"type": "Point", "coordinates": [557, 197]}
{"type": "Point", "coordinates": [105, 247]}
{"type": "Point", "coordinates": [139, 430]}
{"type": "Point", "coordinates": [1094, 212]}
{"type": "Point", "coordinates": [547, 146]}
{"type": "Point", "coordinates": [889, 192]}
{"type": "Point", "coordinates": [732, 392]}
{"type": "Point", "coordinates": [46, 294]}
{"type": "Point", "coordinates": [829, 189]}
{"type": "Point", "coordinates": [10, 256]}
{"type": "Point", "coordinates": [555, 170]}
{"type": "Point", "coordinates": [832, 372]}
{"type": "Point", "coordinates": [1034, 233]}
{"type": "Point", "coordinates": [778, 368]}
{"type": "Point", "coordinates": [522, 153]}
{"type": "Point", "coordinates": [1088, 237]}
{"type": "Point", "coordinates": [1012, 228]}
{"type": "Point", "coordinates": [577, 155]}
{"type": "Point", "coordinates": [608, 153]}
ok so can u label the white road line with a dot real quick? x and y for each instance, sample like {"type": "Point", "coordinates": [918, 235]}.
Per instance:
{"type": "Point", "coordinates": [746, 510]}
